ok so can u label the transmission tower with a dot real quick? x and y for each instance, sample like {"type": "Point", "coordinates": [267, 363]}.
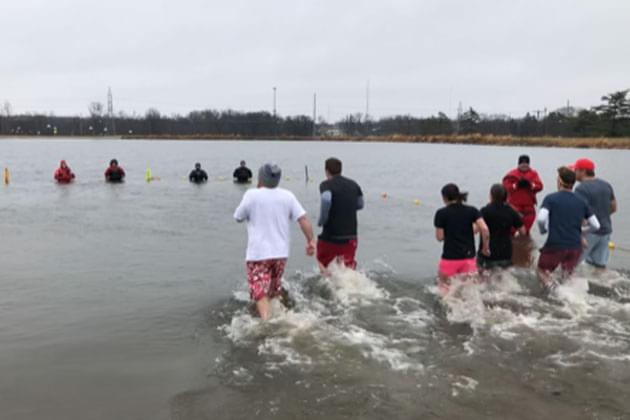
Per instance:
{"type": "Point", "coordinates": [314, 114]}
{"type": "Point", "coordinates": [110, 111]}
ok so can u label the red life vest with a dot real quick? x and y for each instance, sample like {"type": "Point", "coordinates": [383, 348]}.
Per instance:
{"type": "Point", "coordinates": [522, 198]}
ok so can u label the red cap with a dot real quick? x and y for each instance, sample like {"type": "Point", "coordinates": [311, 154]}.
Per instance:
{"type": "Point", "coordinates": [584, 164]}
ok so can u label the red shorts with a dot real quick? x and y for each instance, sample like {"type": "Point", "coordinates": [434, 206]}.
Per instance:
{"type": "Point", "coordinates": [328, 251]}
{"type": "Point", "coordinates": [450, 268]}
{"type": "Point", "coordinates": [550, 259]}
{"type": "Point", "coordinates": [265, 277]}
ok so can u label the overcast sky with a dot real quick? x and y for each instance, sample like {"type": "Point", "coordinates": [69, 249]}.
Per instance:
{"type": "Point", "coordinates": [420, 56]}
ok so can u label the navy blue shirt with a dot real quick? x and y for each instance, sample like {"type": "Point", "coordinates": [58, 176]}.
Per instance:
{"type": "Point", "coordinates": [567, 212]}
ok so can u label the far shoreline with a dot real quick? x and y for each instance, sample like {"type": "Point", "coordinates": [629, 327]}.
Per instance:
{"type": "Point", "coordinates": [621, 143]}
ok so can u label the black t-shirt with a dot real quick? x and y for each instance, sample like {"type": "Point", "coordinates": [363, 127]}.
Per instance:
{"type": "Point", "coordinates": [459, 239]}
{"type": "Point", "coordinates": [341, 225]}
{"type": "Point", "coordinates": [198, 176]}
{"type": "Point", "coordinates": [242, 174]}
{"type": "Point", "coordinates": [501, 218]}
{"type": "Point", "coordinates": [115, 175]}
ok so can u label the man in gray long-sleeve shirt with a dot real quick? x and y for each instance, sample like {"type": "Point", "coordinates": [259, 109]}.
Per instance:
{"type": "Point", "coordinates": [341, 198]}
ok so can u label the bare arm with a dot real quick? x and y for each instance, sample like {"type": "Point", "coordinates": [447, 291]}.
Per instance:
{"type": "Point", "coordinates": [439, 234]}
{"type": "Point", "coordinates": [307, 230]}
{"type": "Point", "coordinates": [613, 206]}
{"type": "Point", "coordinates": [481, 225]}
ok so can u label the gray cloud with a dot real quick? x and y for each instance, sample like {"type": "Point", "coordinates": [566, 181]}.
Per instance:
{"type": "Point", "coordinates": [421, 57]}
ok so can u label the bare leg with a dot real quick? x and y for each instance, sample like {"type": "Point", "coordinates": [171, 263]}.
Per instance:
{"type": "Point", "coordinates": [323, 270]}
{"type": "Point", "coordinates": [444, 284]}
{"type": "Point", "coordinates": [544, 277]}
{"type": "Point", "coordinates": [264, 308]}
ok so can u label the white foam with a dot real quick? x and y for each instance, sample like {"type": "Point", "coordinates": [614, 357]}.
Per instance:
{"type": "Point", "coordinates": [350, 286]}
{"type": "Point", "coordinates": [466, 383]}
{"type": "Point", "coordinates": [378, 347]}
{"type": "Point", "coordinates": [464, 302]}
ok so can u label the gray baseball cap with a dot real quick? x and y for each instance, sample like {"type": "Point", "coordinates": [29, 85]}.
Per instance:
{"type": "Point", "coordinates": [269, 175]}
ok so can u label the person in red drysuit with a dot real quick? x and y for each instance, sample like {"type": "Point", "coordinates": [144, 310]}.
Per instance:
{"type": "Point", "coordinates": [522, 184]}
{"type": "Point", "coordinates": [63, 174]}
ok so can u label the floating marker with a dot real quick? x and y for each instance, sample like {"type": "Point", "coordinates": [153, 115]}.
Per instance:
{"type": "Point", "coordinates": [417, 202]}
{"type": "Point", "coordinates": [148, 176]}
{"type": "Point", "coordinates": [611, 245]}
{"type": "Point", "coordinates": [287, 178]}
{"type": "Point", "coordinates": [7, 176]}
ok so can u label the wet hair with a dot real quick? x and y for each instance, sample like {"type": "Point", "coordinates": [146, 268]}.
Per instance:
{"type": "Point", "coordinates": [111, 162]}
{"type": "Point", "coordinates": [567, 176]}
{"type": "Point", "coordinates": [498, 193]}
{"type": "Point", "coordinates": [523, 159]}
{"type": "Point", "coordinates": [450, 192]}
{"type": "Point", "coordinates": [333, 166]}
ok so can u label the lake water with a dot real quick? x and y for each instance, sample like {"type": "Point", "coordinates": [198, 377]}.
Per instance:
{"type": "Point", "coordinates": [130, 301]}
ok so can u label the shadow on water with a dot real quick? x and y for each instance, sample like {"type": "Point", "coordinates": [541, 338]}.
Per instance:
{"type": "Point", "coordinates": [375, 345]}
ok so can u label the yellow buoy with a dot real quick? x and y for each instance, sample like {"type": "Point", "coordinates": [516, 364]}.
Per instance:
{"type": "Point", "coordinates": [612, 245]}
{"type": "Point", "coordinates": [148, 176]}
{"type": "Point", "coordinates": [7, 176]}
{"type": "Point", "coordinates": [417, 202]}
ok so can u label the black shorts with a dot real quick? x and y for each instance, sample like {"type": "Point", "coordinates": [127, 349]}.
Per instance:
{"type": "Point", "coordinates": [488, 264]}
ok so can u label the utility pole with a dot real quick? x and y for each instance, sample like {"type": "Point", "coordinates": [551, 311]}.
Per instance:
{"type": "Point", "coordinates": [367, 100]}
{"type": "Point", "coordinates": [460, 111]}
{"type": "Point", "coordinates": [110, 111]}
{"type": "Point", "coordinates": [314, 114]}
{"type": "Point", "coordinates": [274, 102]}
{"type": "Point", "coordinates": [275, 120]}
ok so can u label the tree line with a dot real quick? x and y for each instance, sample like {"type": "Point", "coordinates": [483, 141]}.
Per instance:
{"type": "Point", "coordinates": [611, 118]}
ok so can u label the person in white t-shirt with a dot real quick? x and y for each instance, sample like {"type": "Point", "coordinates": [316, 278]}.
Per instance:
{"type": "Point", "coordinates": [269, 210]}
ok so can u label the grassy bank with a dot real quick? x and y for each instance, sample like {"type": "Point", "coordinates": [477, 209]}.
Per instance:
{"type": "Point", "coordinates": [490, 140]}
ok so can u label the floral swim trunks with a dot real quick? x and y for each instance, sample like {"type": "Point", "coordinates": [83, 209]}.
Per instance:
{"type": "Point", "coordinates": [265, 277]}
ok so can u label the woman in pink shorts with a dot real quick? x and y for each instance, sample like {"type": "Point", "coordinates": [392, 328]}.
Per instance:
{"type": "Point", "coordinates": [455, 225]}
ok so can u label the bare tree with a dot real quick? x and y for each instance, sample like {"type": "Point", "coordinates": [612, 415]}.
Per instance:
{"type": "Point", "coordinates": [7, 109]}
{"type": "Point", "coordinates": [96, 109]}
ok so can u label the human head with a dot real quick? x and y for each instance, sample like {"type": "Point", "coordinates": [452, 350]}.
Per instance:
{"type": "Point", "coordinates": [63, 164]}
{"type": "Point", "coordinates": [333, 167]}
{"type": "Point", "coordinates": [498, 194]}
{"type": "Point", "coordinates": [451, 193]}
{"type": "Point", "coordinates": [197, 165]}
{"type": "Point", "coordinates": [584, 168]}
{"type": "Point", "coordinates": [523, 163]}
{"type": "Point", "coordinates": [566, 178]}
{"type": "Point", "coordinates": [243, 164]}
{"type": "Point", "coordinates": [269, 175]}
{"type": "Point", "coordinates": [113, 162]}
